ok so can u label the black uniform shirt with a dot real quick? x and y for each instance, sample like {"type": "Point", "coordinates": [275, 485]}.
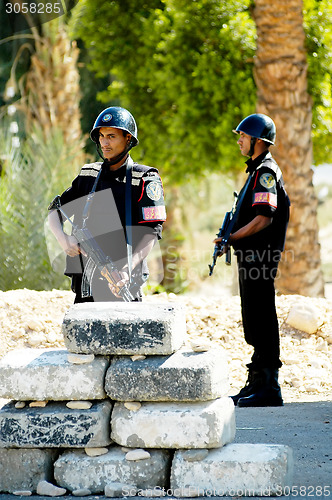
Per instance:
{"type": "Point", "coordinates": [265, 196]}
{"type": "Point", "coordinates": [106, 218]}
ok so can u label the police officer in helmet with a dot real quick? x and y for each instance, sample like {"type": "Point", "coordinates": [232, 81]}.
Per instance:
{"type": "Point", "coordinates": [122, 204]}
{"type": "Point", "coordinates": [258, 240]}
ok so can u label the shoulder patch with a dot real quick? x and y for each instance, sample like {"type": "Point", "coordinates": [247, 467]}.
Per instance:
{"type": "Point", "coordinates": [154, 190]}
{"type": "Point", "coordinates": [267, 180]}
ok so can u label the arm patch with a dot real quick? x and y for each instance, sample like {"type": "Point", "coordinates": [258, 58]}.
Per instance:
{"type": "Point", "coordinates": [265, 190]}
{"type": "Point", "coordinates": [151, 200]}
{"type": "Point", "coordinates": [266, 199]}
{"type": "Point", "coordinates": [154, 214]}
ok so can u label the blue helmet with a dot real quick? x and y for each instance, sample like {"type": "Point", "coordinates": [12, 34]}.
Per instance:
{"type": "Point", "coordinates": [259, 126]}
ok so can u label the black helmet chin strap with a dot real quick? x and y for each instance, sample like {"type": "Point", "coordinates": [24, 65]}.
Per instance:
{"type": "Point", "coordinates": [116, 159]}
{"type": "Point", "coordinates": [252, 146]}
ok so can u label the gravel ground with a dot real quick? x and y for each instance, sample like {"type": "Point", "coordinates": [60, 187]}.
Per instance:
{"type": "Point", "coordinates": [33, 319]}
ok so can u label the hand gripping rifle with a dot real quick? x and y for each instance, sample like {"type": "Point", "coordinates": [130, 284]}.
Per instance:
{"type": "Point", "coordinates": [224, 233]}
{"type": "Point", "coordinates": [97, 258]}
{"type": "Point", "coordinates": [227, 227]}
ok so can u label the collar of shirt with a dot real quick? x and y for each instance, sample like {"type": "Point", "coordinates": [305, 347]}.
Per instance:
{"type": "Point", "coordinates": [253, 164]}
{"type": "Point", "coordinates": [118, 173]}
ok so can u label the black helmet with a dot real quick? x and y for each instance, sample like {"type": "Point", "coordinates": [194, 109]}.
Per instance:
{"type": "Point", "coordinates": [115, 117]}
{"type": "Point", "coordinates": [259, 126]}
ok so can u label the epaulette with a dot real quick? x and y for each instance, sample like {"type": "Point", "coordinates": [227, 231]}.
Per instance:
{"type": "Point", "coordinates": [90, 169]}
{"type": "Point", "coordinates": [140, 171]}
{"type": "Point", "coordinates": [272, 165]}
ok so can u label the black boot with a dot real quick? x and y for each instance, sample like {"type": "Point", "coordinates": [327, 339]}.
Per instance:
{"type": "Point", "coordinates": [267, 391]}
{"type": "Point", "coordinates": [249, 386]}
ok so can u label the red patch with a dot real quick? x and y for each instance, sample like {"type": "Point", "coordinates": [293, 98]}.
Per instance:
{"type": "Point", "coordinates": [266, 199]}
{"type": "Point", "coordinates": [154, 213]}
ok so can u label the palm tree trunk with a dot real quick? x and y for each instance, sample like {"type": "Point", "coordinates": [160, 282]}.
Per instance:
{"type": "Point", "coordinates": [281, 79]}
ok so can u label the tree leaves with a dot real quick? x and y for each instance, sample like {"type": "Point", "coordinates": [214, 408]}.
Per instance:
{"type": "Point", "coordinates": [30, 178]}
{"type": "Point", "coordinates": [184, 69]}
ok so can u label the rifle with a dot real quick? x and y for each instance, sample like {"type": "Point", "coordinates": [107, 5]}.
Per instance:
{"type": "Point", "coordinates": [224, 233]}
{"type": "Point", "coordinates": [228, 225]}
{"type": "Point", "coordinates": [97, 259]}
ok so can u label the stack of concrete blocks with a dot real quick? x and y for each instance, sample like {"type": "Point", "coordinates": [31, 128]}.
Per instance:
{"type": "Point", "coordinates": [131, 410]}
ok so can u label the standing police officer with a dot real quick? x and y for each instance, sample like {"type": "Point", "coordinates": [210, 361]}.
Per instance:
{"type": "Point", "coordinates": [258, 239]}
{"type": "Point", "coordinates": [122, 205]}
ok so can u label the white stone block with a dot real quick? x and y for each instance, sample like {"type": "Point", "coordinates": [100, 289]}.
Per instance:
{"type": "Point", "coordinates": [182, 376]}
{"type": "Point", "coordinates": [125, 328]}
{"type": "Point", "coordinates": [46, 374]}
{"type": "Point", "coordinates": [75, 470]}
{"type": "Point", "coordinates": [234, 470]}
{"type": "Point", "coordinates": [22, 469]}
{"type": "Point", "coordinates": [208, 424]}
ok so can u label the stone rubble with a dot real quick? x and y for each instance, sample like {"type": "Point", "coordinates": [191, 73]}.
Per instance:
{"type": "Point", "coordinates": [80, 359]}
{"type": "Point", "coordinates": [79, 405]}
{"type": "Point", "coordinates": [306, 374]}
{"type": "Point", "coordinates": [304, 317]}
{"type": "Point", "coordinates": [95, 452]}
{"type": "Point", "coordinates": [49, 489]}
{"type": "Point", "coordinates": [83, 492]}
{"type": "Point", "coordinates": [147, 434]}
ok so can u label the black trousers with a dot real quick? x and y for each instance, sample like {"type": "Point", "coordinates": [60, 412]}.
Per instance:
{"type": "Point", "coordinates": [259, 317]}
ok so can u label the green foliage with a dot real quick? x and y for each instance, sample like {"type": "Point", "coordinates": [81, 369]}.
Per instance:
{"type": "Point", "coordinates": [184, 69]}
{"type": "Point", "coordinates": [31, 175]}
{"type": "Point", "coordinates": [317, 24]}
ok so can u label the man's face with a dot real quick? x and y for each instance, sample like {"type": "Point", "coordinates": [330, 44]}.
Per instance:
{"type": "Point", "coordinates": [112, 141]}
{"type": "Point", "coordinates": [244, 143]}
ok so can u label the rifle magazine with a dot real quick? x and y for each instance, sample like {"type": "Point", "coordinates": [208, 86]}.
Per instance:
{"type": "Point", "coordinates": [89, 270]}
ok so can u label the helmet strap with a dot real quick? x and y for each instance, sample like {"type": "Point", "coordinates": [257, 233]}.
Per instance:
{"type": "Point", "coordinates": [117, 158]}
{"type": "Point", "coordinates": [252, 146]}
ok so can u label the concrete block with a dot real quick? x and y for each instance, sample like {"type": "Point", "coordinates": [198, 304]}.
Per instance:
{"type": "Point", "coordinates": [208, 424]}
{"type": "Point", "coordinates": [75, 470]}
{"type": "Point", "coordinates": [182, 376]}
{"type": "Point", "coordinates": [46, 374]}
{"type": "Point", "coordinates": [22, 469]}
{"type": "Point", "coordinates": [55, 426]}
{"type": "Point", "coordinates": [234, 470]}
{"type": "Point", "coordinates": [124, 328]}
